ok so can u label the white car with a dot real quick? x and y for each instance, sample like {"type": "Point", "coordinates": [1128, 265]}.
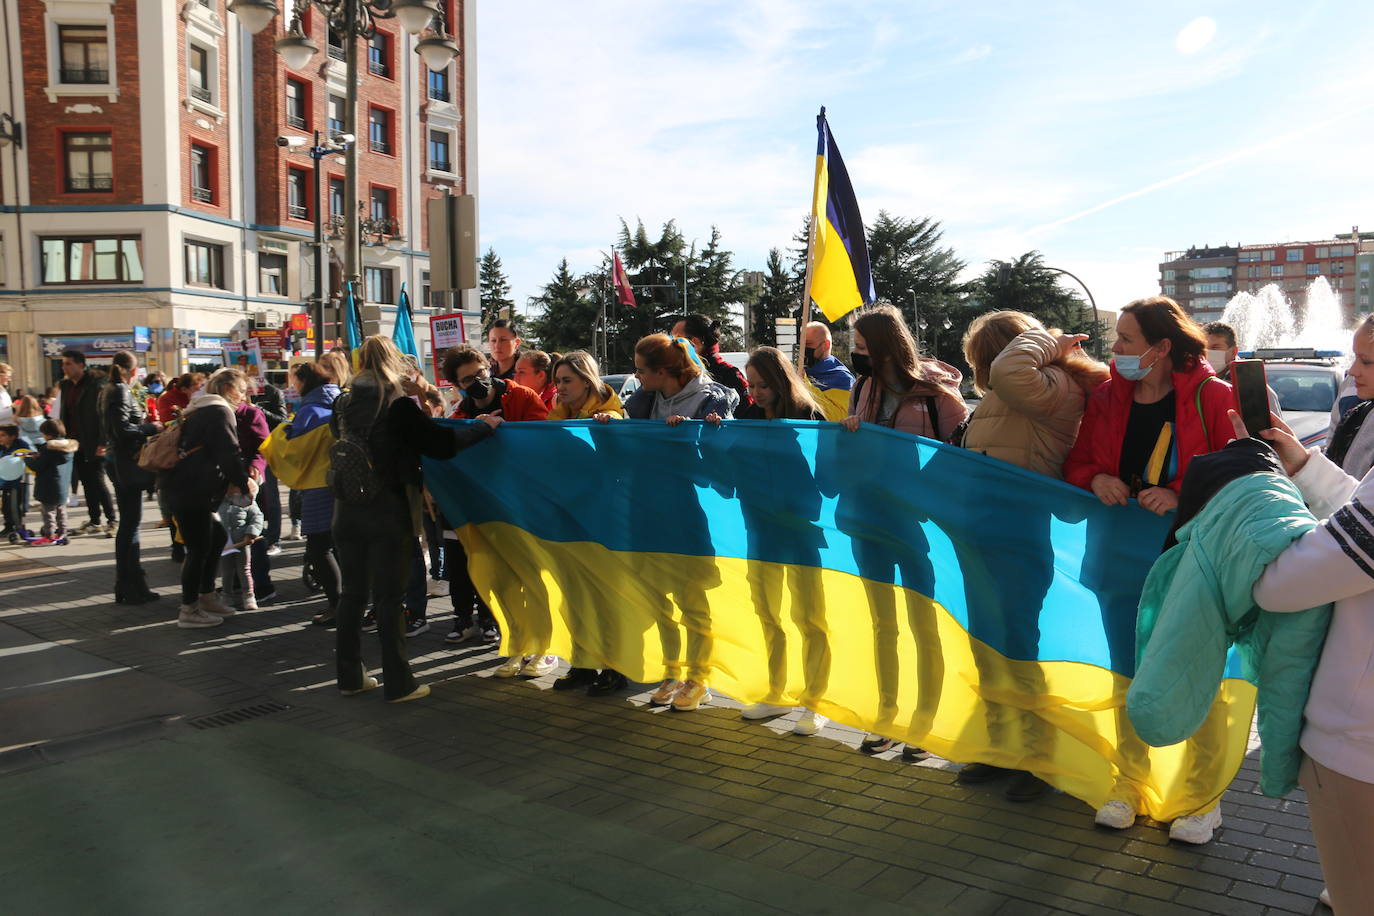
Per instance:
{"type": "Point", "coordinates": [1307, 383]}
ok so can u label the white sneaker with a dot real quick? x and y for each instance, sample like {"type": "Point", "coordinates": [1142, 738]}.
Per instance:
{"type": "Point", "coordinates": [1115, 814]}
{"type": "Point", "coordinates": [250, 603]}
{"type": "Point", "coordinates": [273, 551]}
{"type": "Point", "coordinates": [438, 588]}
{"type": "Point", "coordinates": [295, 534]}
{"type": "Point", "coordinates": [191, 617]}
{"type": "Point", "coordinates": [539, 665]}
{"type": "Point", "coordinates": [763, 711]}
{"type": "Point", "coordinates": [510, 667]}
{"type": "Point", "coordinates": [1196, 829]}
{"type": "Point", "coordinates": [211, 603]}
{"type": "Point", "coordinates": [369, 683]}
{"type": "Point", "coordinates": [810, 723]}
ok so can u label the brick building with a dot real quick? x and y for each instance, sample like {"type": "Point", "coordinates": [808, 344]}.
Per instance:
{"type": "Point", "coordinates": [1203, 280]}
{"type": "Point", "coordinates": [149, 190]}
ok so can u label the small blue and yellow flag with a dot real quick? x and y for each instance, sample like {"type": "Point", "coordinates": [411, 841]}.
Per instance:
{"type": "Point", "coordinates": [841, 279]}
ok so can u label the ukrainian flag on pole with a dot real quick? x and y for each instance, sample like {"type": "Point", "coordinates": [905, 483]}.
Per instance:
{"type": "Point", "coordinates": [839, 278]}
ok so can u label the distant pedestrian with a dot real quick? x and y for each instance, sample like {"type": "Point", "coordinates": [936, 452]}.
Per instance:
{"type": "Point", "coordinates": [79, 411]}
{"type": "Point", "coordinates": [52, 472]}
{"type": "Point", "coordinates": [124, 428]}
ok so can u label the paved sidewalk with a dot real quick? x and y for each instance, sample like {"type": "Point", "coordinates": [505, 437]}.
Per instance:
{"type": "Point", "coordinates": [157, 770]}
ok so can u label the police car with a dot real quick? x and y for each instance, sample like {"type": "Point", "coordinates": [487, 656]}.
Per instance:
{"type": "Point", "coordinates": [1307, 383]}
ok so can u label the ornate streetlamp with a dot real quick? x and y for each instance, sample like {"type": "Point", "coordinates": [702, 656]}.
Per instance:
{"type": "Point", "coordinates": [352, 19]}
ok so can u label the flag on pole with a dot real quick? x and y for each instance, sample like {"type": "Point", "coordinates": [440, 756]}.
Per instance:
{"type": "Point", "coordinates": [404, 335]}
{"type": "Point", "coordinates": [623, 293]}
{"type": "Point", "coordinates": [841, 279]}
{"type": "Point", "coordinates": [353, 332]}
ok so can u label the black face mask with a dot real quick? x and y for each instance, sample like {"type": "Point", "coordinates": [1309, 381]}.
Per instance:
{"type": "Point", "coordinates": [479, 389]}
{"type": "Point", "coordinates": [862, 364]}
{"type": "Point", "coordinates": [810, 358]}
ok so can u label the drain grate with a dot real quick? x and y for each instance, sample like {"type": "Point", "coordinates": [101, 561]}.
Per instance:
{"type": "Point", "coordinates": [235, 716]}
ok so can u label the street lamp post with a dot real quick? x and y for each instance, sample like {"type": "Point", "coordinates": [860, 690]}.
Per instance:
{"type": "Point", "coordinates": [915, 318]}
{"type": "Point", "coordinates": [351, 19]}
{"type": "Point", "coordinates": [335, 144]}
{"type": "Point", "coordinates": [1097, 338]}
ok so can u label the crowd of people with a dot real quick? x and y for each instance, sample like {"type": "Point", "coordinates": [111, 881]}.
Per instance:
{"type": "Point", "coordinates": [377, 547]}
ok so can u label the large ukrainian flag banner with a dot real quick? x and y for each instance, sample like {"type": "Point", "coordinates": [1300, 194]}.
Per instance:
{"type": "Point", "coordinates": [841, 277]}
{"type": "Point", "coordinates": [895, 584]}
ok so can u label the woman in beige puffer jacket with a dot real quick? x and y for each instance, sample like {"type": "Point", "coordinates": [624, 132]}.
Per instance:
{"type": "Point", "coordinates": [1034, 383]}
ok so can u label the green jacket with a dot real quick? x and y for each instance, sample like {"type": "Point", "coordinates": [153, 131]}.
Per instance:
{"type": "Point", "coordinates": [1196, 603]}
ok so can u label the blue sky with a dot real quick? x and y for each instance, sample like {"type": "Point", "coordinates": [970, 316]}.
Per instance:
{"type": "Point", "coordinates": [1101, 134]}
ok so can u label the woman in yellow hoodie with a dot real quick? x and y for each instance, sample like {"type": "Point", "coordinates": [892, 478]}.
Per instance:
{"type": "Point", "coordinates": [581, 393]}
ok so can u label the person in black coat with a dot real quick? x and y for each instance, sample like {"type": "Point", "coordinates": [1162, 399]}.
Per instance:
{"type": "Point", "coordinates": [124, 427]}
{"type": "Point", "coordinates": [79, 411]}
{"type": "Point", "coordinates": [375, 537]}
{"type": "Point", "coordinates": [197, 484]}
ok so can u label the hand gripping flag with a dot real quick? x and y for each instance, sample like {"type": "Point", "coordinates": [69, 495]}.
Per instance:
{"type": "Point", "coordinates": [623, 293]}
{"type": "Point", "coordinates": [840, 279]}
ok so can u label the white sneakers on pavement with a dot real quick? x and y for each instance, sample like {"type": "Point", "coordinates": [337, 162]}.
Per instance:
{"type": "Point", "coordinates": [538, 665]}
{"type": "Point", "coordinates": [438, 588]}
{"type": "Point", "coordinates": [1115, 814]}
{"type": "Point", "coordinates": [810, 723]}
{"type": "Point", "coordinates": [190, 617]}
{"type": "Point", "coordinates": [763, 711]}
{"type": "Point", "coordinates": [1196, 829]}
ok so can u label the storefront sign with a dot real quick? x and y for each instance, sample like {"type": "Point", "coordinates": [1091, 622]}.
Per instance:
{"type": "Point", "coordinates": [143, 339]}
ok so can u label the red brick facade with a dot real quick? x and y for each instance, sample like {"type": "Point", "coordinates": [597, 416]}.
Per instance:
{"type": "Point", "coordinates": [192, 122]}
{"type": "Point", "coordinates": [49, 122]}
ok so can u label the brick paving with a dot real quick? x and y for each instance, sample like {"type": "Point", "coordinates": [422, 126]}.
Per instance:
{"type": "Point", "coordinates": [873, 831]}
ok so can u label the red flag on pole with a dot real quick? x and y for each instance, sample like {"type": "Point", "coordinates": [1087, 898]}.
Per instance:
{"type": "Point", "coordinates": [623, 294]}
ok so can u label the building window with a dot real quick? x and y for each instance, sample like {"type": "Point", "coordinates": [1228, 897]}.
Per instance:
{"type": "Point", "coordinates": [202, 186]}
{"type": "Point", "coordinates": [438, 151]}
{"type": "Point", "coordinates": [1293, 254]}
{"type": "Point", "coordinates": [379, 54]}
{"type": "Point", "coordinates": [205, 265]}
{"type": "Point", "coordinates": [438, 85]}
{"type": "Point", "coordinates": [336, 45]}
{"type": "Point", "coordinates": [1313, 269]}
{"type": "Point", "coordinates": [1248, 256]}
{"type": "Point", "coordinates": [1276, 270]}
{"type": "Point", "coordinates": [336, 114]}
{"type": "Point", "coordinates": [1211, 273]}
{"type": "Point", "coordinates": [379, 285]}
{"type": "Point", "coordinates": [1323, 252]}
{"type": "Point", "coordinates": [1267, 254]}
{"type": "Point", "coordinates": [271, 274]}
{"type": "Point", "coordinates": [85, 51]}
{"type": "Point", "coordinates": [1342, 251]}
{"type": "Point", "coordinates": [336, 197]}
{"type": "Point", "coordinates": [1338, 267]}
{"type": "Point", "coordinates": [1211, 288]}
{"type": "Point", "coordinates": [89, 162]}
{"type": "Point", "coordinates": [297, 196]}
{"type": "Point", "coordinates": [379, 130]}
{"type": "Point", "coordinates": [1168, 274]}
{"type": "Point", "coordinates": [1169, 289]}
{"type": "Point", "coordinates": [296, 104]}
{"type": "Point", "coordinates": [117, 259]}
{"type": "Point", "coordinates": [198, 74]}
{"type": "Point", "coordinates": [381, 203]}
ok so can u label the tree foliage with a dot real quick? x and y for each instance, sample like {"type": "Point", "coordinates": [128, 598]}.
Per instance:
{"type": "Point", "coordinates": [568, 314]}
{"type": "Point", "coordinates": [910, 269]}
{"type": "Point", "coordinates": [1026, 284]}
{"type": "Point", "coordinates": [494, 288]}
{"type": "Point", "coordinates": [778, 299]}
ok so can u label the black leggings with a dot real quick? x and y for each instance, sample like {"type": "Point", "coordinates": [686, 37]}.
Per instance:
{"type": "Point", "coordinates": [205, 538]}
{"type": "Point", "coordinates": [319, 554]}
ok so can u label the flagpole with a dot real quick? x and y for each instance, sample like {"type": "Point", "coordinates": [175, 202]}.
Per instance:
{"type": "Point", "coordinates": [810, 259]}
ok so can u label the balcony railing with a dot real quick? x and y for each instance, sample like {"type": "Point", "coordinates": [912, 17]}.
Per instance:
{"type": "Point", "coordinates": [441, 165]}
{"type": "Point", "coordinates": [297, 211]}
{"type": "Point", "coordinates": [90, 183]}
{"type": "Point", "coordinates": [204, 195]}
{"type": "Point", "coordinates": [85, 75]}
{"type": "Point", "coordinates": [379, 146]}
{"type": "Point", "coordinates": [335, 126]}
{"type": "Point", "coordinates": [440, 93]}
{"type": "Point", "coordinates": [201, 93]}
{"type": "Point", "coordinates": [378, 68]}
{"type": "Point", "coordinates": [296, 121]}
{"type": "Point", "coordinates": [336, 51]}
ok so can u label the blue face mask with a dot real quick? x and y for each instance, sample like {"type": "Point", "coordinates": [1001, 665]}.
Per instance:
{"type": "Point", "coordinates": [1128, 367]}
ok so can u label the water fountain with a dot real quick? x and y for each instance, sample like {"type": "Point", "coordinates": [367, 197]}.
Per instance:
{"type": "Point", "coordinates": [1267, 319]}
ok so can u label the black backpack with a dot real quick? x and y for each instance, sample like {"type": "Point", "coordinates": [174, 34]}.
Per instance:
{"type": "Point", "coordinates": [352, 475]}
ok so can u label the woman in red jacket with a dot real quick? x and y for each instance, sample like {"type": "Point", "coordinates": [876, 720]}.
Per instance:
{"type": "Point", "coordinates": [1162, 405]}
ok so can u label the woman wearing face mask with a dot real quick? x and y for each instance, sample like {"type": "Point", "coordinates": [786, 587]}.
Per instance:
{"type": "Point", "coordinates": [1162, 405]}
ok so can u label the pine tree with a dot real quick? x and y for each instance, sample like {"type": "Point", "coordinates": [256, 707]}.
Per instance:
{"type": "Point", "coordinates": [495, 289]}
{"type": "Point", "coordinates": [568, 317]}
{"type": "Point", "coordinates": [777, 300]}
{"type": "Point", "coordinates": [714, 287]}
{"type": "Point", "coordinates": [910, 270]}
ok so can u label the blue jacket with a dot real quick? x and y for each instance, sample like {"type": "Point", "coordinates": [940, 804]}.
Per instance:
{"type": "Point", "coordinates": [20, 445]}
{"type": "Point", "coordinates": [830, 373]}
{"type": "Point", "coordinates": [1197, 602]}
{"type": "Point", "coordinates": [52, 471]}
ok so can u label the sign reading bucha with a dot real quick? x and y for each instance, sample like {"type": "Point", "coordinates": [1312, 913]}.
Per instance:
{"type": "Point", "coordinates": [892, 583]}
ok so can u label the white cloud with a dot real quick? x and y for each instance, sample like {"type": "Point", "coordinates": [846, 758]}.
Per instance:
{"type": "Point", "coordinates": [1195, 36]}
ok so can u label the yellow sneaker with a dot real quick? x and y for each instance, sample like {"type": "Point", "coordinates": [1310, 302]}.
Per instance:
{"type": "Point", "coordinates": [665, 692]}
{"type": "Point", "coordinates": [691, 695]}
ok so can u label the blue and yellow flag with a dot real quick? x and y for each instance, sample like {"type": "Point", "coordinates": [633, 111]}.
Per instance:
{"type": "Point", "coordinates": [892, 583]}
{"type": "Point", "coordinates": [353, 322]}
{"type": "Point", "coordinates": [841, 279]}
{"type": "Point", "coordinates": [404, 335]}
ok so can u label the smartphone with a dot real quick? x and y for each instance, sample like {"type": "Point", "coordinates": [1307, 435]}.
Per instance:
{"type": "Point", "coordinates": [1252, 394]}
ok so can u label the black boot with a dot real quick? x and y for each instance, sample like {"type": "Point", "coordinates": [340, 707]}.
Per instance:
{"type": "Point", "coordinates": [607, 682]}
{"type": "Point", "coordinates": [576, 677]}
